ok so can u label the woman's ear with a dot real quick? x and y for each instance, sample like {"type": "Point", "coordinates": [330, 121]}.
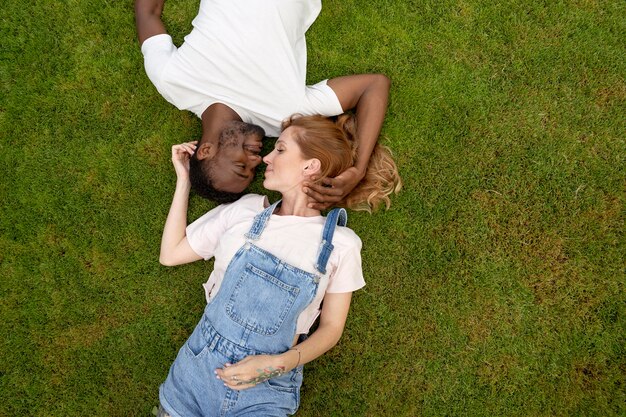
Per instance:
{"type": "Point", "coordinates": [313, 166]}
{"type": "Point", "coordinates": [206, 150]}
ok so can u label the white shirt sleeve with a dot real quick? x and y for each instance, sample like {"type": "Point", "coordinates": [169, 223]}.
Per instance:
{"type": "Point", "coordinates": [157, 52]}
{"type": "Point", "coordinates": [320, 99]}
{"type": "Point", "coordinates": [348, 276]}
{"type": "Point", "coordinates": [204, 234]}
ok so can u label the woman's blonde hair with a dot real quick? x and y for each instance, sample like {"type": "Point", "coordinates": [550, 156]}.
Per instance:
{"type": "Point", "coordinates": [333, 143]}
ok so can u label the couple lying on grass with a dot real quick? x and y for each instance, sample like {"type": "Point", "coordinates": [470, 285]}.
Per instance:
{"type": "Point", "coordinates": [242, 71]}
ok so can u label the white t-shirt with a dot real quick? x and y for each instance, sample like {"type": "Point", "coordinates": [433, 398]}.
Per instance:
{"type": "Point", "coordinates": [293, 239]}
{"type": "Point", "coordinates": [247, 54]}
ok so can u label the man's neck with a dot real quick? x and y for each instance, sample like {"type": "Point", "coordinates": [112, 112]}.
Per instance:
{"type": "Point", "coordinates": [214, 118]}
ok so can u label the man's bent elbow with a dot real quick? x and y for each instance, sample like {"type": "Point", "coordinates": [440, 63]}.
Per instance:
{"type": "Point", "coordinates": [383, 81]}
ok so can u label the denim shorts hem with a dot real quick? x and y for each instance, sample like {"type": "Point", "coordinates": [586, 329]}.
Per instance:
{"type": "Point", "coordinates": [166, 405]}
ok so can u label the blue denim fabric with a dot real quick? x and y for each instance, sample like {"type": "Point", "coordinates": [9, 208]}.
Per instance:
{"type": "Point", "coordinates": [254, 312]}
{"type": "Point", "coordinates": [335, 217]}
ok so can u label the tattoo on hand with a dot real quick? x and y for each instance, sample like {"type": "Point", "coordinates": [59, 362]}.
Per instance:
{"type": "Point", "coordinates": [264, 375]}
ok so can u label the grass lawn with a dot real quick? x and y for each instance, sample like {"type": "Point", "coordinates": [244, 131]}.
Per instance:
{"type": "Point", "coordinates": [496, 281]}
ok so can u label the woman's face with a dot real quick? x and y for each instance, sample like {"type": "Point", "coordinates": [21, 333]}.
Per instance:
{"type": "Point", "coordinates": [285, 164]}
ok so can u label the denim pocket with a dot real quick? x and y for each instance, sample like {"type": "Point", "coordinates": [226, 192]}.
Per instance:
{"type": "Point", "coordinates": [197, 343]}
{"type": "Point", "coordinates": [288, 386]}
{"type": "Point", "coordinates": [283, 383]}
{"type": "Point", "coordinates": [260, 301]}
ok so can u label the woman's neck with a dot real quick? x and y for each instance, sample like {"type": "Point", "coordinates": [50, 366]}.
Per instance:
{"type": "Point", "coordinates": [295, 204]}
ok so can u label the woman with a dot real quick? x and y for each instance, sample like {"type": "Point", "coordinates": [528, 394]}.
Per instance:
{"type": "Point", "coordinates": [274, 264]}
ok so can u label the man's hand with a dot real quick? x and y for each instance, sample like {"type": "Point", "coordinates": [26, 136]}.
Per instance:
{"type": "Point", "coordinates": [330, 191]}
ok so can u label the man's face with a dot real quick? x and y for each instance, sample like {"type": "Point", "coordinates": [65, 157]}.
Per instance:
{"type": "Point", "coordinates": [236, 159]}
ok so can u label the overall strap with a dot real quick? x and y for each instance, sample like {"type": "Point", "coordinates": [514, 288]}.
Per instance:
{"type": "Point", "coordinates": [260, 220]}
{"type": "Point", "coordinates": [337, 216]}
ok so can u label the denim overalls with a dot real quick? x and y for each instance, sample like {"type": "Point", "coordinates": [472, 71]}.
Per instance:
{"type": "Point", "coordinates": [254, 312]}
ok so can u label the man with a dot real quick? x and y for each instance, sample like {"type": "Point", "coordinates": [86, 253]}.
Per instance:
{"type": "Point", "coordinates": [245, 61]}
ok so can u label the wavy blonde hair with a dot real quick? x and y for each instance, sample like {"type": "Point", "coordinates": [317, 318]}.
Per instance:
{"type": "Point", "coordinates": [334, 144]}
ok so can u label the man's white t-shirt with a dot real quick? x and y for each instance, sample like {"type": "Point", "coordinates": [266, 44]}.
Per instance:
{"type": "Point", "coordinates": [247, 54]}
{"type": "Point", "coordinates": [293, 239]}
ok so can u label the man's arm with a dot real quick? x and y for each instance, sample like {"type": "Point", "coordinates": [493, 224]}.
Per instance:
{"type": "Point", "coordinates": [148, 18]}
{"type": "Point", "coordinates": [368, 95]}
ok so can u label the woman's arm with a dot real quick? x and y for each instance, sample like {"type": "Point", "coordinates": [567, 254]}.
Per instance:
{"type": "Point", "coordinates": [368, 95]}
{"type": "Point", "coordinates": [255, 369]}
{"type": "Point", "coordinates": [332, 322]}
{"type": "Point", "coordinates": [175, 249]}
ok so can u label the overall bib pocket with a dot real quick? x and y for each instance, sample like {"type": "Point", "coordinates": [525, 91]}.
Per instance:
{"type": "Point", "coordinates": [260, 301]}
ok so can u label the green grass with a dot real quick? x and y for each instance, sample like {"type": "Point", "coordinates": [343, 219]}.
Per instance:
{"type": "Point", "coordinates": [495, 282]}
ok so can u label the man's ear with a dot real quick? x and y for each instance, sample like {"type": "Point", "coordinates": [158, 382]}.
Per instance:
{"type": "Point", "coordinates": [206, 150]}
{"type": "Point", "coordinates": [312, 166]}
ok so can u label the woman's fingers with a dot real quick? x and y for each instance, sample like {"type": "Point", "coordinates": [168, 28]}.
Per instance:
{"type": "Point", "coordinates": [226, 373]}
{"type": "Point", "coordinates": [232, 380]}
{"type": "Point", "coordinates": [249, 372]}
{"type": "Point", "coordinates": [184, 148]}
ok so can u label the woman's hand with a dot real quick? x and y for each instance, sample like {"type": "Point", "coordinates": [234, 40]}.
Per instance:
{"type": "Point", "coordinates": [180, 158]}
{"type": "Point", "coordinates": [250, 371]}
{"type": "Point", "coordinates": [330, 191]}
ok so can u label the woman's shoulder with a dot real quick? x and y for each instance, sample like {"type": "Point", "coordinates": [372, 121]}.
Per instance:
{"type": "Point", "coordinates": [256, 201]}
{"type": "Point", "coordinates": [246, 207]}
{"type": "Point", "coordinates": [247, 203]}
{"type": "Point", "coordinates": [346, 238]}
